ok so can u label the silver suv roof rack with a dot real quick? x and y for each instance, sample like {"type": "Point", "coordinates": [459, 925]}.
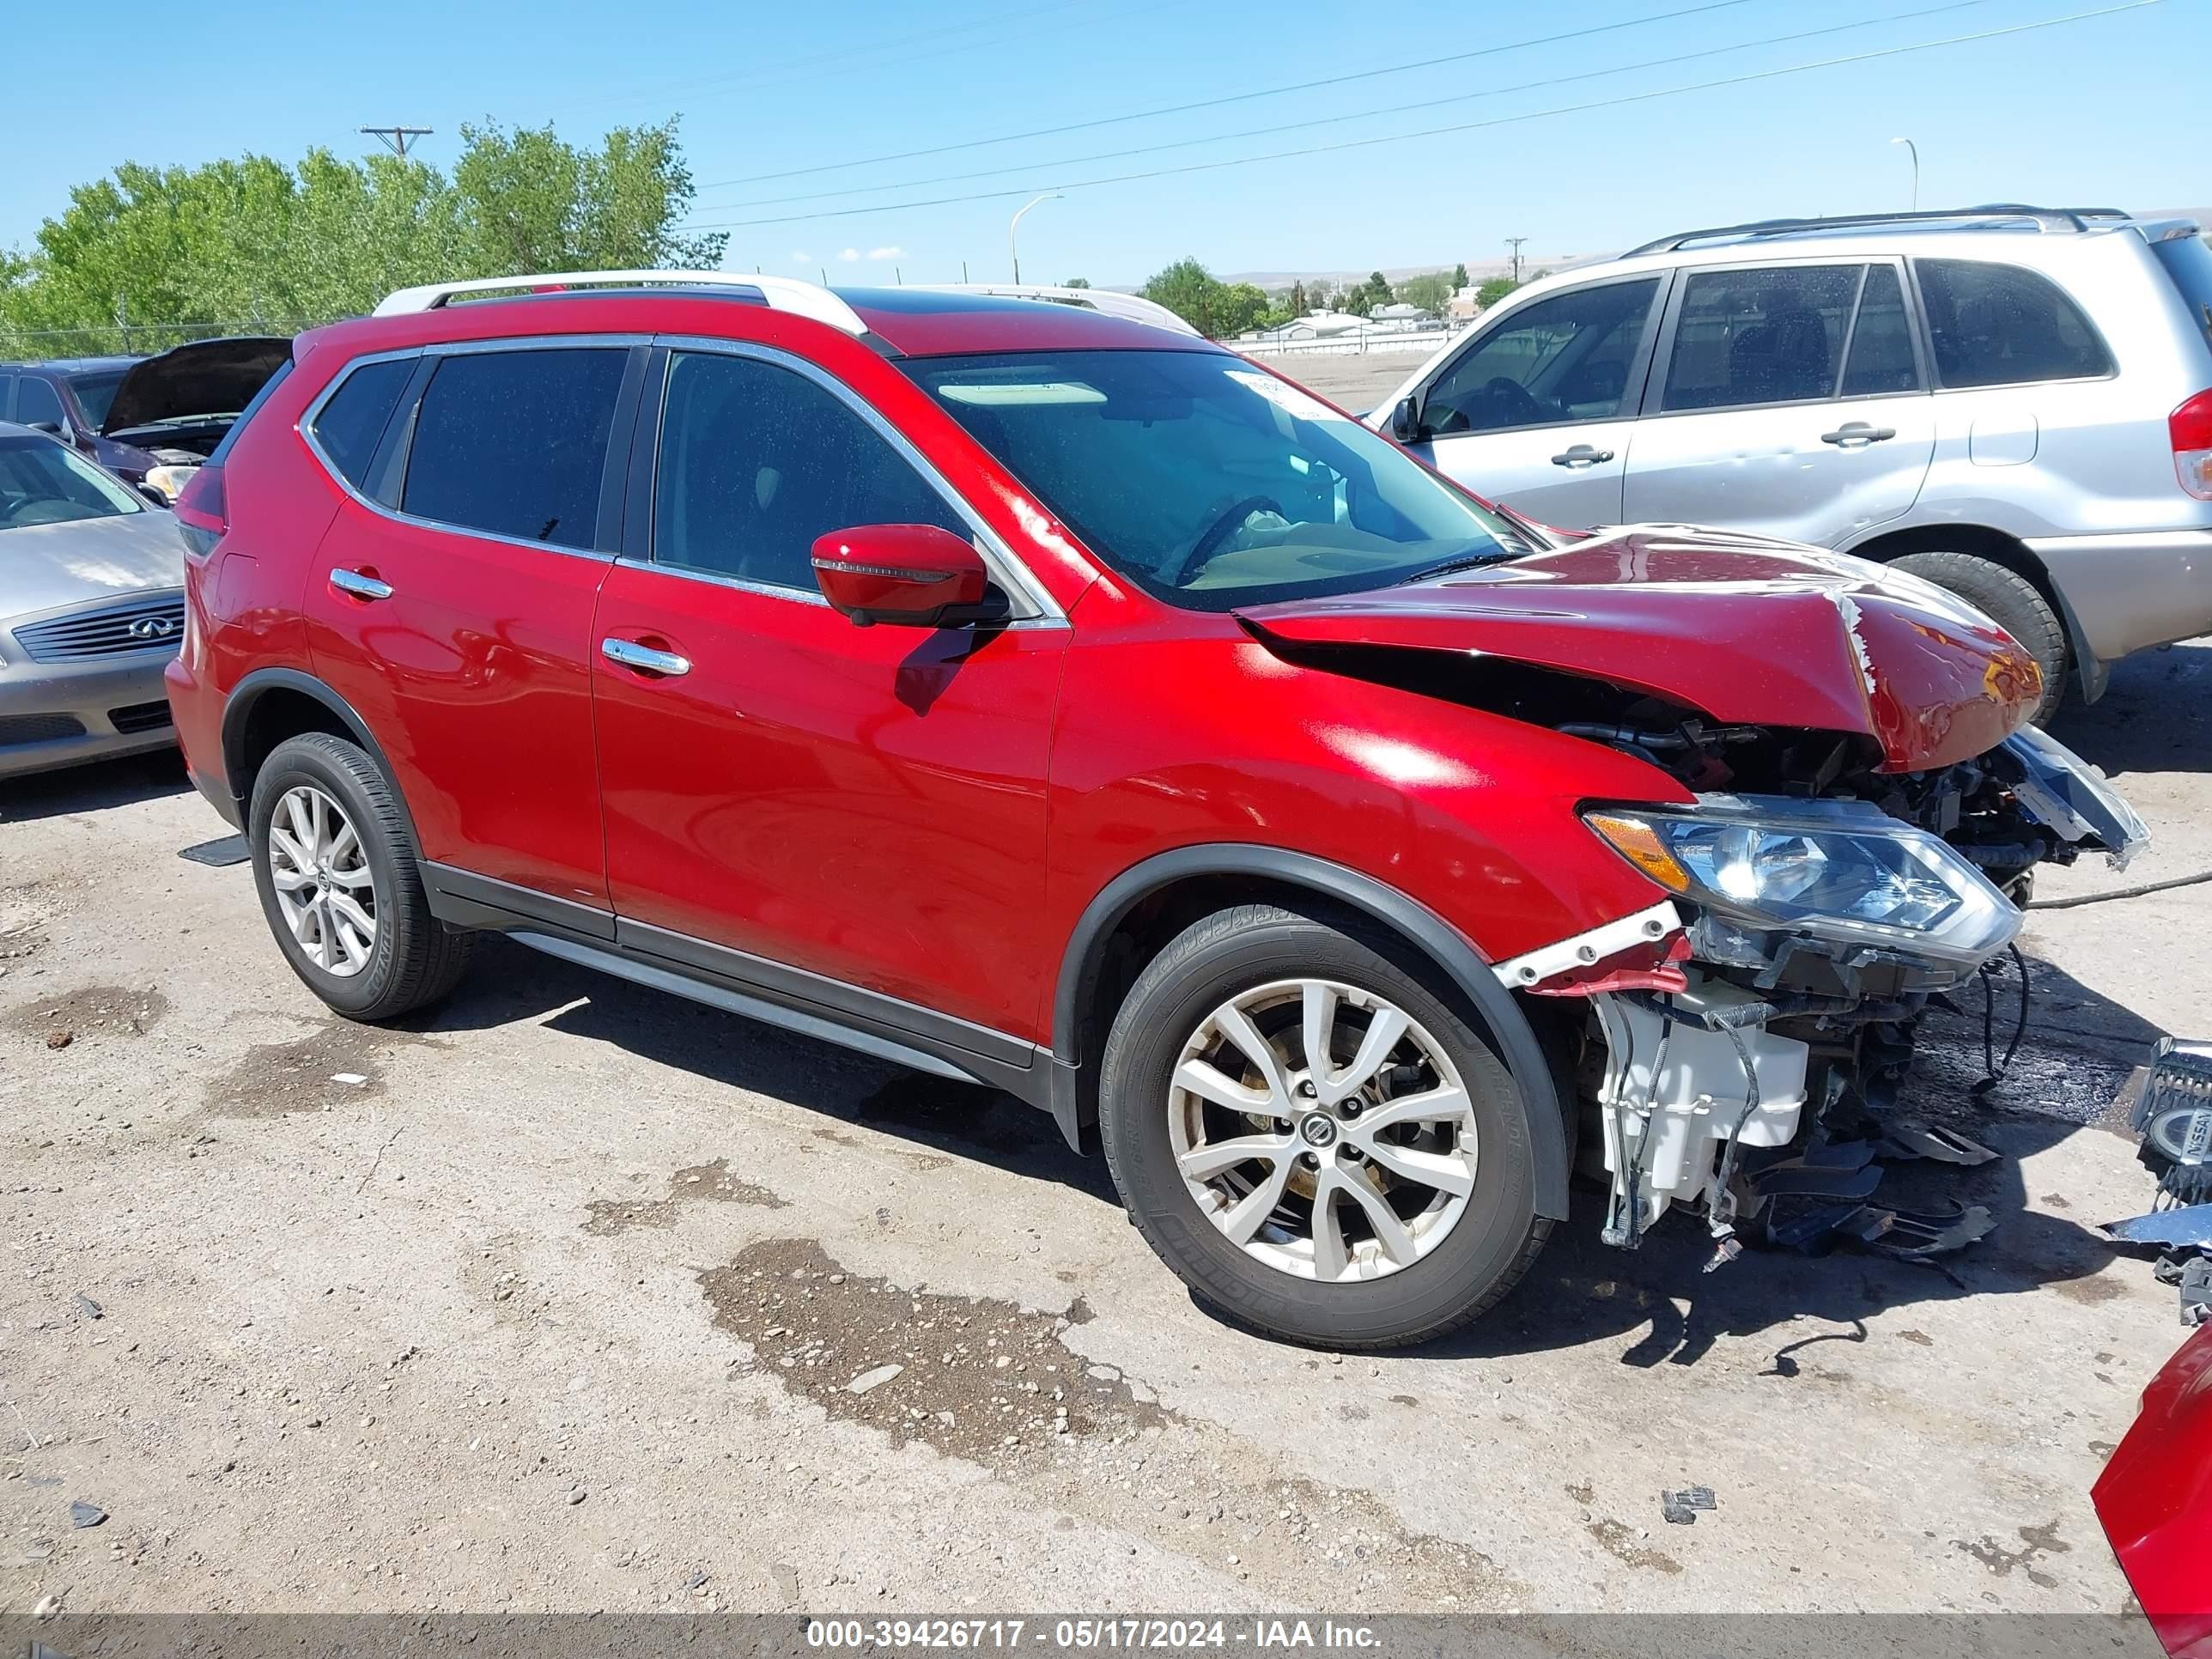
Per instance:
{"type": "Point", "coordinates": [778, 293]}
{"type": "Point", "coordinates": [2058, 219]}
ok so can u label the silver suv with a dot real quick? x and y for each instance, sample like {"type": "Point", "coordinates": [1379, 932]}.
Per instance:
{"type": "Point", "coordinates": [2015, 403]}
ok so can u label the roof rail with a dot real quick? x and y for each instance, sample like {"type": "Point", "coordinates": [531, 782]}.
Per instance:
{"type": "Point", "coordinates": [1133, 306]}
{"type": "Point", "coordinates": [2046, 219]}
{"type": "Point", "coordinates": [780, 293]}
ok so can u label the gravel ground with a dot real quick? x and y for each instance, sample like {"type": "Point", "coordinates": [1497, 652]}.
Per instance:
{"type": "Point", "coordinates": [571, 1296]}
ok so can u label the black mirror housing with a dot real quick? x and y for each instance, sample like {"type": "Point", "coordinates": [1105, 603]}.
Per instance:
{"type": "Point", "coordinates": [1406, 422]}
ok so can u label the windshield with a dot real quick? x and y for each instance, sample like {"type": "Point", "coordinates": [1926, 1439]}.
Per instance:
{"type": "Point", "coordinates": [95, 392]}
{"type": "Point", "coordinates": [42, 482]}
{"type": "Point", "coordinates": [1208, 482]}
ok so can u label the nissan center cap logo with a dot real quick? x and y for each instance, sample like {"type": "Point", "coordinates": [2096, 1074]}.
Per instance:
{"type": "Point", "coordinates": [152, 628]}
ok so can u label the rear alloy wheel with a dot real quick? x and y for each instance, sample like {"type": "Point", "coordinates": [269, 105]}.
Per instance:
{"type": "Point", "coordinates": [1314, 1135]}
{"type": "Point", "coordinates": [325, 889]}
{"type": "Point", "coordinates": [336, 870]}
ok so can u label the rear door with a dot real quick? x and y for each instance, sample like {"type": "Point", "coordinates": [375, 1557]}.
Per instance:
{"type": "Point", "coordinates": [1537, 411]}
{"type": "Point", "coordinates": [1790, 400]}
{"type": "Point", "coordinates": [450, 600]}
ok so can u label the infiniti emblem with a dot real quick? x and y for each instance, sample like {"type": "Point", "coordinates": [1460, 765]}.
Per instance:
{"type": "Point", "coordinates": [152, 628]}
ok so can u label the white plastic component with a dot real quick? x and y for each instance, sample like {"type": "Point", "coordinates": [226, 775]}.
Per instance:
{"type": "Point", "coordinates": [781, 293]}
{"type": "Point", "coordinates": [1587, 949]}
{"type": "Point", "coordinates": [1133, 306]}
{"type": "Point", "coordinates": [1673, 1132]}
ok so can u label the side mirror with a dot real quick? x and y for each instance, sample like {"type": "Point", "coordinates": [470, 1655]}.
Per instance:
{"type": "Point", "coordinates": [52, 429]}
{"type": "Point", "coordinates": [913, 575]}
{"type": "Point", "coordinates": [153, 496]}
{"type": "Point", "coordinates": [1406, 422]}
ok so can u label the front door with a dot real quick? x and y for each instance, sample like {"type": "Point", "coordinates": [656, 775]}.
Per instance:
{"type": "Point", "coordinates": [863, 804]}
{"type": "Point", "coordinates": [1793, 404]}
{"type": "Point", "coordinates": [456, 617]}
{"type": "Point", "coordinates": [1538, 410]}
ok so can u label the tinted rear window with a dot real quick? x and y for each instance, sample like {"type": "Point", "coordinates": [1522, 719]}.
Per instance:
{"type": "Point", "coordinates": [2188, 262]}
{"type": "Point", "coordinates": [1994, 324]}
{"type": "Point", "coordinates": [351, 424]}
{"type": "Point", "coordinates": [513, 442]}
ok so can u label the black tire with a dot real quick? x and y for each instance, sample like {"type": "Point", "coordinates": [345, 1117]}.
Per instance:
{"type": "Point", "coordinates": [414, 960]}
{"type": "Point", "coordinates": [2013, 603]}
{"type": "Point", "coordinates": [1495, 1238]}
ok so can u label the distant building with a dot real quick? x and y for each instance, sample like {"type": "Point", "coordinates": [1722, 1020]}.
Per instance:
{"type": "Point", "coordinates": [1463, 306]}
{"type": "Point", "coordinates": [1400, 316]}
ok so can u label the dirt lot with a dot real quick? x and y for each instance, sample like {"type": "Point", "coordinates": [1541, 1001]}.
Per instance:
{"type": "Point", "coordinates": [563, 1297]}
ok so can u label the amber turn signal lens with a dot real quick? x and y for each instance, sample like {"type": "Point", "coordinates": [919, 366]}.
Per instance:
{"type": "Point", "coordinates": [1639, 843]}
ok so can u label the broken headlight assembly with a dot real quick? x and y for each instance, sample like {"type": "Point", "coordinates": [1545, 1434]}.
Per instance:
{"type": "Point", "coordinates": [1843, 871]}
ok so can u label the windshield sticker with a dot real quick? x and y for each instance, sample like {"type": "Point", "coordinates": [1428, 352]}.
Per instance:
{"type": "Point", "coordinates": [1284, 396]}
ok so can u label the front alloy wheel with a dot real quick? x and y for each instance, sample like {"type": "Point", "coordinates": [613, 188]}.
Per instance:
{"type": "Point", "coordinates": [325, 889]}
{"type": "Point", "coordinates": [1308, 1123]}
{"type": "Point", "coordinates": [1322, 1130]}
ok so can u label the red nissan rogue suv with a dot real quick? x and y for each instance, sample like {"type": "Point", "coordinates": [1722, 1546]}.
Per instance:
{"type": "Point", "coordinates": [1042, 698]}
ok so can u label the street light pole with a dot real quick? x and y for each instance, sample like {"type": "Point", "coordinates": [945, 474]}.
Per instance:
{"type": "Point", "coordinates": [1013, 256]}
{"type": "Point", "coordinates": [1913, 150]}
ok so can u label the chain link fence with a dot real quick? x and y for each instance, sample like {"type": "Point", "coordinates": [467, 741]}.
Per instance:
{"type": "Point", "coordinates": [133, 339]}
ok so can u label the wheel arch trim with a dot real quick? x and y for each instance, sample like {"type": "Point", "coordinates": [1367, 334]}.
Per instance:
{"type": "Point", "coordinates": [237, 716]}
{"type": "Point", "coordinates": [1413, 922]}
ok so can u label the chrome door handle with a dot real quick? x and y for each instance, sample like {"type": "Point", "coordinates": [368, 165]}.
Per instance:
{"type": "Point", "coordinates": [630, 654]}
{"type": "Point", "coordinates": [1583, 455]}
{"type": "Point", "coordinates": [361, 587]}
{"type": "Point", "coordinates": [1857, 434]}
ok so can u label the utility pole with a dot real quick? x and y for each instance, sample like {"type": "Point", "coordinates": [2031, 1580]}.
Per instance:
{"type": "Point", "coordinates": [963, 273]}
{"type": "Point", "coordinates": [396, 139]}
{"type": "Point", "coordinates": [1514, 242]}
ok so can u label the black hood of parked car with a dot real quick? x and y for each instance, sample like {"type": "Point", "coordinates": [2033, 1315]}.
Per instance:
{"type": "Point", "coordinates": [207, 378]}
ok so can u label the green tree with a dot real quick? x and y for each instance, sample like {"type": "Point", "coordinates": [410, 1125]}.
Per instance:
{"type": "Point", "coordinates": [1459, 277]}
{"type": "Point", "coordinates": [1077, 281]}
{"type": "Point", "coordinates": [1357, 300]}
{"type": "Point", "coordinates": [1378, 290]}
{"type": "Point", "coordinates": [1493, 290]}
{"type": "Point", "coordinates": [1431, 290]}
{"type": "Point", "coordinates": [1217, 309]}
{"type": "Point", "coordinates": [1298, 301]}
{"type": "Point", "coordinates": [252, 243]}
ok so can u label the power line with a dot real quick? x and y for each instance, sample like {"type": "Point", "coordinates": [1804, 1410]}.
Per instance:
{"type": "Point", "coordinates": [1354, 115]}
{"type": "Point", "coordinates": [839, 62]}
{"type": "Point", "coordinates": [1232, 98]}
{"type": "Point", "coordinates": [1435, 132]}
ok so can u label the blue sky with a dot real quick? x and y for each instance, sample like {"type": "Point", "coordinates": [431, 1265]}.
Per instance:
{"type": "Point", "coordinates": [2103, 110]}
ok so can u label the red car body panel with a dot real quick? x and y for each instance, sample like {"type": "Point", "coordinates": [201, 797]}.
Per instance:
{"type": "Point", "coordinates": [475, 675]}
{"type": "Point", "coordinates": [2154, 1499]}
{"type": "Point", "coordinates": [1743, 630]}
{"type": "Point", "coordinates": [928, 815]}
{"type": "Point", "coordinates": [865, 802]}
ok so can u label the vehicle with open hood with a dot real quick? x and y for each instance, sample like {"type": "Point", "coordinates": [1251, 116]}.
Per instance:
{"type": "Point", "coordinates": [150, 420]}
{"type": "Point", "coordinates": [1052, 700]}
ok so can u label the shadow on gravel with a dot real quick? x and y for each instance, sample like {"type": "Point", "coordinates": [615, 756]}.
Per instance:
{"type": "Point", "coordinates": [2156, 716]}
{"type": "Point", "coordinates": [508, 983]}
{"type": "Point", "coordinates": [96, 788]}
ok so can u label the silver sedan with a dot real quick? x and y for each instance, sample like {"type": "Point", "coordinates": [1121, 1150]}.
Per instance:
{"type": "Point", "coordinates": [92, 608]}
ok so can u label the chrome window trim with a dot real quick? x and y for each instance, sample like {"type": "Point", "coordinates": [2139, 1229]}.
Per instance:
{"type": "Point", "coordinates": [1007, 569]}
{"type": "Point", "coordinates": [306, 428]}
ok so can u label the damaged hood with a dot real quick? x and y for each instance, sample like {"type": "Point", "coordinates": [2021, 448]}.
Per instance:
{"type": "Point", "coordinates": [1746, 630]}
{"type": "Point", "coordinates": [208, 378]}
